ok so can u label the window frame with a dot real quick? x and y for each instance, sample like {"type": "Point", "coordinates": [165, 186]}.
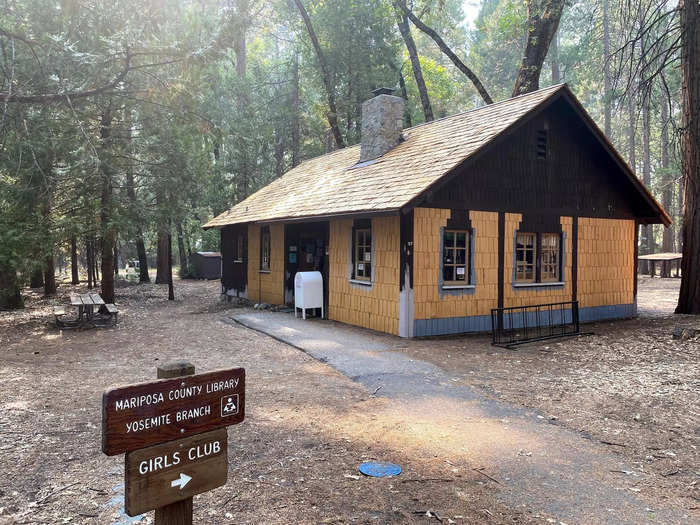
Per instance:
{"type": "Point", "coordinates": [364, 248]}
{"type": "Point", "coordinates": [467, 281]}
{"type": "Point", "coordinates": [533, 248]}
{"type": "Point", "coordinates": [557, 251]}
{"type": "Point", "coordinates": [265, 245]}
{"type": "Point", "coordinates": [538, 261]}
{"type": "Point", "coordinates": [239, 248]}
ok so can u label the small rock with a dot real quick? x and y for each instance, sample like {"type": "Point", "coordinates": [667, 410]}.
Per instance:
{"type": "Point", "coordinates": [637, 417]}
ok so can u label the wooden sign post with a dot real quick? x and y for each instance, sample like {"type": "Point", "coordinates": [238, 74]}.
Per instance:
{"type": "Point", "coordinates": [174, 434]}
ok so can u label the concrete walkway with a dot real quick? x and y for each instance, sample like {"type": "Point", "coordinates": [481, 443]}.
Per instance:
{"type": "Point", "coordinates": [544, 466]}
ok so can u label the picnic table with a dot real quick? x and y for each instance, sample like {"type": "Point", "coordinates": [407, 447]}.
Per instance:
{"type": "Point", "coordinates": [667, 260]}
{"type": "Point", "coordinates": [88, 306]}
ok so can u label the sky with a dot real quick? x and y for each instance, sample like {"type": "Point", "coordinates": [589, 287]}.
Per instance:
{"type": "Point", "coordinates": [471, 9]}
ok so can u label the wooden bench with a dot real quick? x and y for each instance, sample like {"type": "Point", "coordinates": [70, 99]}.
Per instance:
{"type": "Point", "coordinates": [113, 312]}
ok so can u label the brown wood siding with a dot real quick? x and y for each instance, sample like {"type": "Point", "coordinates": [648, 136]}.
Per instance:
{"type": "Point", "coordinates": [577, 177]}
{"type": "Point", "coordinates": [234, 275]}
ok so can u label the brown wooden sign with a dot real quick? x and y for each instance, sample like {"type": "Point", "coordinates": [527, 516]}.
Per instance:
{"type": "Point", "coordinates": [137, 416]}
{"type": "Point", "coordinates": [163, 474]}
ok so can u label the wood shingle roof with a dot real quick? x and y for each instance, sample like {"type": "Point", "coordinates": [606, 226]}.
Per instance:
{"type": "Point", "coordinates": [333, 184]}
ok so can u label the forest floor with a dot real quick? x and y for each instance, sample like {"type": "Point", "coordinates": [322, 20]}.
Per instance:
{"type": "Point", "coordinates": [295, 458]}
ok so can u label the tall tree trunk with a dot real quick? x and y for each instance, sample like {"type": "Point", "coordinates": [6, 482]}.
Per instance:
{"type": "Point", "coordinates": [36, 279]}
{"type": "Point", "coordinates": [332, 114]}
{"type": "Point", "coordinates": [140, 245]}
{"type": "Point", "coordinates": [404, 28]}
{"type": "Point", "coordinates": [647, 231]}
{"type": "Point", "coordinates": [95, 266]}
{"type": "Point", "coordinates": [554, 59]}
{"type": "Point", "coordinates": [679, 221]}
{"type": "Point", "coordinates": [184, 270]}
{"type": "Point", "coordinates": [162, 256]}
{"type": "Point", "coordinates": [116, 259]}
{"type": "Point", "coordinates": [446, 50]}
{"type": "Point", "coordinates": [631, 131]}
{"type": "Point", "coordinates": [75, 277]}
{"type": "Point", "coordinates": [239, 44]}
{"type": "Point", "coordinates": [296, 134]}
{"type": "Point", "coordinates": [689, 297]}
{"type": "Point", "coordinates": [10, 296]}
{"type": "Point", "coordinates": [49, 276]}
{"type": "Point", "coordinates": [109, 234]}
{"type": "Point", "coordinates": [542, 22]}
{"type": "Point", "coordinates": [404, 94]}
{"type": "Point", "coordinates": [667, 178]}
{"type": "Point", "coordinates": [607, 89]}
{"type": "Point", "coordinates": [89, 262]}
{"type": "Point", "coordinates": [171, 290]}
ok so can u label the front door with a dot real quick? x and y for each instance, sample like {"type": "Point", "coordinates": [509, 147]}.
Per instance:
{"type": "Point", "coordinates": [306, 251]}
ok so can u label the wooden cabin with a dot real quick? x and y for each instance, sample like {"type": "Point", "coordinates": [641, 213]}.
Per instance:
{"type": "Point", "coordinates": [425, 230]}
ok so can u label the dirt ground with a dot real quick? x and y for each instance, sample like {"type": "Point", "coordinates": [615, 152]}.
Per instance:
{"type": "Point", "coordinates": [629, 385]}
{"type": "Point", "coordinates": [295, 458]}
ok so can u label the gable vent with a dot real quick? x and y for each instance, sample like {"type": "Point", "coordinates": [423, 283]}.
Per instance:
{"type": "Point", "coordinates": [541, 145]}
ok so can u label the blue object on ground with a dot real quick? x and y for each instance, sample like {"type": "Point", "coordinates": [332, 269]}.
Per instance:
{"type": "Point", "coordinates": [380, 469]}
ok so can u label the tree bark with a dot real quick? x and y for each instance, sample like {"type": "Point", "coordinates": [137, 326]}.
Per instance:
{"type": "Point", "coordinates": [332, 114]}
{"type": "Point", "coordinates": [89, 261]}
{"type": "Point", "coordinates": [162, 256]}
{"type": "Point", "coordinates": [49, 276]}
{"type": "Point", "coordinates": [36, 279]}
{"type": "Point", "coordinates": [75, 277]}
{"type": "Point", "coordinates": [171, 290]}
{"type": "Point", "coordinates": [404, 28]}
{"type": "Point", "coordinates": [447, 51]}
{"type": "Point", "coordinates": [542, 22]}
{"type": "Point", "coordinates": [239, 44]}
{"type": "Point", "coordinates": [10, 296]}
{"type": "Point", "coordinates": [667, 178]}
{"type": "Point", "coordinates": [296, 135]}
{"type": "Point", "coordinates": [647, 231]}
{"type": "Point", "coordinates": [404, 94]}
{"type": "Point", "coordinates": [184, 270]}
{"type": "Point", "coordinates": [689, 297]}
{"type": "Point", "coordinates": [140, 246]}
{"type": "Point", "coordinates": [109, 234]}
{"type": "Point", "coordinates": [607, 89]}
{"type": "Point", "coordinates": [554, 59]}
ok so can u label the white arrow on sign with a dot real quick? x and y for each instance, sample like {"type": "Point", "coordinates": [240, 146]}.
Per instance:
{"type": "Point", "coordinates": [183, 480]}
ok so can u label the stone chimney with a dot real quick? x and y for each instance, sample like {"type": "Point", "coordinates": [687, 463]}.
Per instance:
{"type": "Point", "coordinates": [382, 122]}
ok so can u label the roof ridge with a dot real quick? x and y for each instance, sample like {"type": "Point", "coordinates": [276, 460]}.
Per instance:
{"type": "Point", "coordinates": [552, 87]}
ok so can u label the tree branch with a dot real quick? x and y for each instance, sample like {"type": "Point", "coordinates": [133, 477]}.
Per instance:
{"type": "Point", "coordinates": [12, 98]}
{"type": "Point", "coordinates": [447, 51]}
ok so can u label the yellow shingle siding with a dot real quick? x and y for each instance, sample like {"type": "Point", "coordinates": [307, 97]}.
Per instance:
{"type": "Point", "coordinates": [266, 287]}
{"type": "Point", "coordinates": [428, 302]}
{"type": "Point", "coordinates": [325, 185]}
{"type": "Point", "coordinates": [606, 262]}
{"type": "Point", "coordinates": [376, 306]}
{"type": "Point", "coordinates": [538, 295]}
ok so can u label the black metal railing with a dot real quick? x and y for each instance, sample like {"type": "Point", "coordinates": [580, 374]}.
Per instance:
{"type": "Point", "coordinates": [524, 324]}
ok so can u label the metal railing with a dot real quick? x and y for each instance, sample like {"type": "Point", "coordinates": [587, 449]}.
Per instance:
{"type": "Point", "coordinates": [524, 324]}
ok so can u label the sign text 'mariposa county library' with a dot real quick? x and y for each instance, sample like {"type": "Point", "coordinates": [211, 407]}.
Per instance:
{"type": "Point", "coordinates": [144, 414]}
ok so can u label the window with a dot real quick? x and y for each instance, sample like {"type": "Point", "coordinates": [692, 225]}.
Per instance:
{"type": "Point", "coordinates": [551, 264]}
{"type": "Point", "coordinates": [265, 248]}
{"type": "Point", "coordinates": [455, 257]}
{"type": "Point", "coordinates": [239, 249]}
{"type": "Point", "coordinates": [363, 254]}
{"type": "Point", "coordinates": [537, 257]}
{"type": "Point", "coordinates": [525, 251]}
